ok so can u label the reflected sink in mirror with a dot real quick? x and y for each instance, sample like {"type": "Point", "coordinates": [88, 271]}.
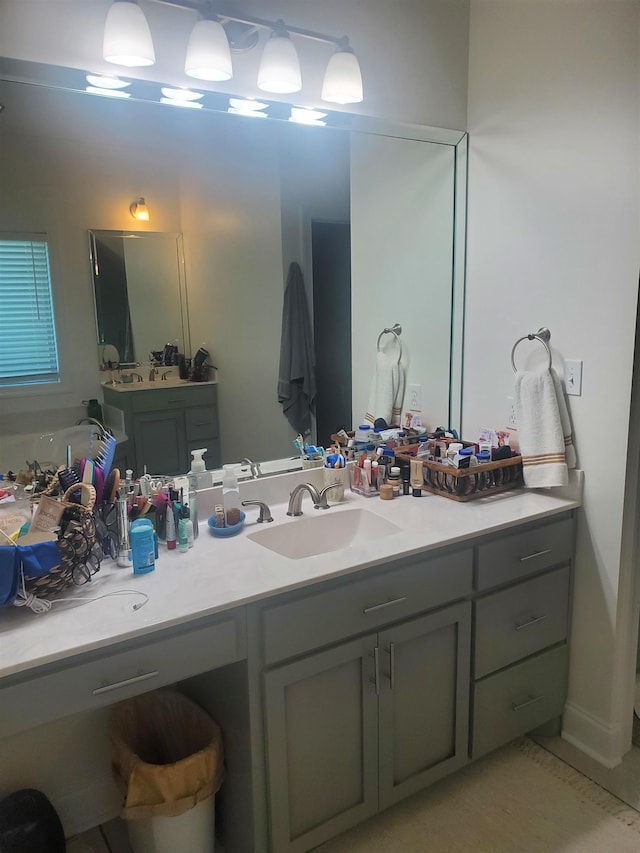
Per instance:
{"type": "Point", "coordinates": [324, 533]}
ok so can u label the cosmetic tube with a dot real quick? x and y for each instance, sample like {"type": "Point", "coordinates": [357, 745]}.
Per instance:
{"type": "Point", "coordinates": [416, 477]}
{"type": "Point", "coordinates": [171, 529]}
{"type": "Point", "coordinates": [124, 545]}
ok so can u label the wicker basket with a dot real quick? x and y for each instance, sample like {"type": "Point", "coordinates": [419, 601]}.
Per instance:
{"type": "Point", "coordinates": [466, 484]}
{"type": "Point", "coordinates": [75, 543]}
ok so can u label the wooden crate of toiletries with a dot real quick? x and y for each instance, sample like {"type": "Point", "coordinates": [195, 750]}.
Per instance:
{"type": "Point", "coordinates": [466, 484]}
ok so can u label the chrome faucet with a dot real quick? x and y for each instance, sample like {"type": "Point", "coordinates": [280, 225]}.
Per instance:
{"type": "Point", "coordinates": [152, 374]}
{"type": "Point", "coordinates": [140, 379]}
{"type": "Point", "coordinates": [265, 512]}
{"type": "Point", "coordinates": [254, 467]}
{"type": "Point", "coordinates": [165, 374]}
{"type": "Point", "coordinates": [319, 498]}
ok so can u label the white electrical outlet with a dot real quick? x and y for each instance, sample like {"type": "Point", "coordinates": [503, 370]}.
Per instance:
{"type": "Point", "coordinates": [511, 413]}
{"type": "Point", "coordinates": [415, 398]}
{"type": "Point", "coordinates": [573, 376]}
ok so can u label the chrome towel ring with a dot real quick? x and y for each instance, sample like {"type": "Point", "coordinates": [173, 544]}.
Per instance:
{"type": "Point", "coordinates": [396, 331]}
{"type": "Point", "coordinates": [543, 335]}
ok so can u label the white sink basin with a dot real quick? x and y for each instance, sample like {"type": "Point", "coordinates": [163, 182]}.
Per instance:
{"type": "Point", "coordinates": [324, 532]}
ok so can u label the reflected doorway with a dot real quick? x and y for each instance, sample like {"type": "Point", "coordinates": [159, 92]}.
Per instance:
{"type": "Point", "coordinates": [331, 265]}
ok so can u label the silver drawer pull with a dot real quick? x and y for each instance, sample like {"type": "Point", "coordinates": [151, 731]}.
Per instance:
{"type": "Point", "coordinates": [537, 554]}
{"type": "Point", "coordinates": [533, 621]}
{"type": "Point", "coordinates": [530, 701]}
{"type": "Point", "coordinates": [384, 604]}
{"type": "Point", "coordinates": [127, 681]}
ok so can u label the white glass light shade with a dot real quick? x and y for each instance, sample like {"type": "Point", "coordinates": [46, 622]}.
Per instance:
{"type": "Point", "coordinates": [342, 79]}
{"type": "Point", "coordinates": [127, 38]}
{"type": "Point", "coordinates": [279, 67]}
{"type": "Point", "coordinates": [208, 54]}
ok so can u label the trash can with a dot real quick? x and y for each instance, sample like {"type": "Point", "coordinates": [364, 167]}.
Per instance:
{"type": "Point", "coordinates": [168, 755]}
{"type": "Point", "coordinates": [28, 821]}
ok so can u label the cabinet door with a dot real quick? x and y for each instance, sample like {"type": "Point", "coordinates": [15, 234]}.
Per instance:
{"type": "Point", "coordinates": [160, 442]}
{"type": "Point", "coordinates": [424, 700]}
{"type": "Point", "coordinates": [321, 728]}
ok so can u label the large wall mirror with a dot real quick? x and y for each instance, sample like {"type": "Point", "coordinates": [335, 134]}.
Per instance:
{"type": "Point", "coordinates": [374, 214]}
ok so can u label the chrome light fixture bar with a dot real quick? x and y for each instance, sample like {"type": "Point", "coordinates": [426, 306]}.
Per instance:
{"type": "Point", "coordinates": [218, 33]}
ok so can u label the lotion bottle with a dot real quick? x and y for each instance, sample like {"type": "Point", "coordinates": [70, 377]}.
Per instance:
{"type": "Point", "coordinates": [230, 489]}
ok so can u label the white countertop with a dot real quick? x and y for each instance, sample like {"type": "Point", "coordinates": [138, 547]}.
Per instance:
{"type": "Point", "coordinates": [218, 574]}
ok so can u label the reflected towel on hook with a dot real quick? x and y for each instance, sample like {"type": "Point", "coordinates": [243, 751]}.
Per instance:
{"type": "Point", "coordinates": [540, 432]}
{"type": "Point", "coordinates": [387, 390]}
{"type": "Point", "coordinates": [296, 375]}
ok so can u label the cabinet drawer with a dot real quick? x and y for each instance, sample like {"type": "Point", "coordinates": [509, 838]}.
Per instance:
{"type": "Point", "coordinates": [520, 621]}
{"type": "Point", "coordinates": [104, 678]}
{"type": "Point", "coordinates": [178, 397]}
{"type": "Point", "coordinates": [327, 617]}
{"type": "Point", "coordinates": [518, 699]}
{"type": "Point", "coordinates": [513, 557]}
{"type": "Point", "coordinates": [201, 422]}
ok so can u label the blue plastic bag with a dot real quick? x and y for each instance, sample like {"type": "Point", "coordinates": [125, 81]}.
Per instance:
{"type": "Point", "coordinates": [38, 559]}
{"type": "Point", "coordinates": [9, 574]}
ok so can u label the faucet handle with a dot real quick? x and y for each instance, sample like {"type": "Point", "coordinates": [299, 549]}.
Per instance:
{"type": "Point", "coordinates": [322, 496]}
{"type": "Point", "coordinates": [265, 512]}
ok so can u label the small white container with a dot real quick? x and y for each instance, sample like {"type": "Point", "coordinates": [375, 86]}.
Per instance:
{"type": "Point", "coordinates": [363, 434]}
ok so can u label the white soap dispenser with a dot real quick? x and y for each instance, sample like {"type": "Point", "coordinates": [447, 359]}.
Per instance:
{"type": "Point", "coordinates": [197, 463]}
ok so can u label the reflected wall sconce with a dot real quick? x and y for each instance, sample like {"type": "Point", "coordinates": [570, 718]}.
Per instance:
{"type": "Point", "coordinates": [139, 210]}
{"type": "Point", "coordinates": [214, 37]}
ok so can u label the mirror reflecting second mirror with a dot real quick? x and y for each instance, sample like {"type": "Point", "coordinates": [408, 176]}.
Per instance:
{"type": "Point", "coordinates": [139, 292]}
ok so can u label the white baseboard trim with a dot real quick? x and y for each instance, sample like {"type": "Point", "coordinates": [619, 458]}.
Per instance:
{"type": "Point", "coordinates": [593, 736]}
{"type": "Point", "coordinates": [88, 806]}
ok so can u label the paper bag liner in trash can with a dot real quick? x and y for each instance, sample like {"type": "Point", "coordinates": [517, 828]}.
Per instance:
{"type": "Point", "coordinates": [166, 752]}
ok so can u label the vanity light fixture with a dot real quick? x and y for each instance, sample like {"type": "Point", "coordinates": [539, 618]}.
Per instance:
{"type": "Point", "coordinates": [279, 70]}
{"type": "Point", "coordinates": [343, 78]}
{"type": "Point", "coordinates": [139, 210]}
{"type": "Point", "coordinates": [217, 35]}
{"type": "Point", "coordinates": [208, 52]}
{"type": "Point", "coordinates": [127, 38]}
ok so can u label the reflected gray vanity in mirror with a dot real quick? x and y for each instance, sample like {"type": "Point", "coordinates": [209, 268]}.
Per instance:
{"type": "Point", "coordinates": [241, 198]}
{"type": "Point", "coordinates": [139, 292]}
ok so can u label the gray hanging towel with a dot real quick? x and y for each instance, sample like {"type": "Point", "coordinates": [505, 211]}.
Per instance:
{"type": "Point", "coordinates": [296, 377]}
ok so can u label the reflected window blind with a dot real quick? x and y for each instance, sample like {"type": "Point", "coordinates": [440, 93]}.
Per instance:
{"type": "Point", "coordinates": [28, 347]}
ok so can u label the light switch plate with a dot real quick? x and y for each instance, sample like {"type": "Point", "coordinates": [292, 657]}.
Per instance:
{"type": "Point", "coordinates": [573, 376]}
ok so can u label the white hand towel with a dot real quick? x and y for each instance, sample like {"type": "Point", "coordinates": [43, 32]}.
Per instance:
{"type": "Point", "coordinates": [540, 430]}
{"type": "Point", "coordinates": [565, 421]}
{"type": "Point", "coordinates": [387, 390]}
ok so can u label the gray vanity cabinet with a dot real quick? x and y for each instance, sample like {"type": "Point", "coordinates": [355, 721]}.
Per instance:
{"type": "Point", "coordinates": [355, 728]}
{"type": "Point", "coordinates": [165, 424]}
{"type": "Point", "coordinates": [521, 628]}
